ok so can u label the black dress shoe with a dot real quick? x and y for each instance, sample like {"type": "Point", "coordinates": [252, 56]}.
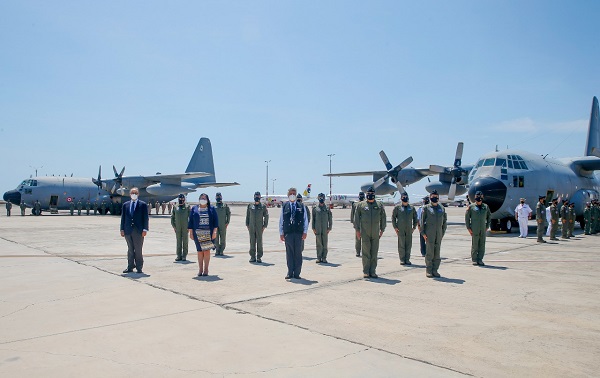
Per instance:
{"type": "Point", "coordinates": [178, 258]}
{"type": "Point", "coordinates": [288, 277]}
{"type": "Point", "coordinates": [298, 277]}
{"type": "Point", "coordinates": [252, 259]}
{"type": "Point", "coordinates": [374, 276]}
{"type": "Point", "coordinates": [259, 261]}
{"type": "Point", "coordinates": [128, 271]}
{"type": "Point", "coordinates": [324, 261]}
{"type": "Point", "coordinates": [408, 263]}
{"type": "Point", "coordinates": [139, 271]}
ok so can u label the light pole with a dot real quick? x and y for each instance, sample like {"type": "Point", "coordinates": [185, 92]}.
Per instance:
{"type": "Point", "coordinates": [273, 186]}
{"type": "Point", "coordinates": [330, 195]}
{"type": "Point", "coordinates": [267, 181]}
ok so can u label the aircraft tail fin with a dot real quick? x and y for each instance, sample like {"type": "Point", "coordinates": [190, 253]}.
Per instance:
{"type": "Point", "coordinates": [593, 140]}
{"type": "Point", "coordinates": [202, 161]}
{"type": "Point", "coordinates": [306, 193]}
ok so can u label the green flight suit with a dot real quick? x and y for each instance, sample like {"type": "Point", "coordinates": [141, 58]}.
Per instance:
{"type": "Point", "coordinates": [357, 242]}
{"type": "Point", "coordinates": [79, 207]}
{"type": "Point", "coordinates": [554, 216]}
{"type": "Point", "coordinates": [540, 217]}
{"type": "Point", "coordinates": [95, 207]}
{"type": "Point", "coordinates": [587, 216]}
{"type": "Point", "coordinates": [477, 220]}
{"type": "Point", "coordinates": [404, 221]}
{"type": "Point", "coordinates": [88, 206]}
{"type": "Point", "coordinates": [37, 208]}
{"type": "Point", "coordinates": [322, 222]}
{"type": "Point", "coordinates": [564, 215]}
{"type": "Point", "coordinates": [157, 206]}
{"type": "Point", "coordinates": [8, 208]}
{"type": "Point", "coordinates": [434, 222]}
{"type": "Point", "coordinates": [595, 219]}
{"type": "Point", "coordinates": [23, 207]}
{"type": "Point", "coordinates": [103, 208]}
{"type": "Point", "coordinates": [179, 222]}
{"type": "Point", "coordinates": [72, 207]}
{"type": "Point", "coordinates": [224, 215]}
{"type": "Point", "coordinates": [572, 217]}
{"type": "Point", "coordinates": [370, 221]}
{"type": "Point", "coordinates": [257, 219]}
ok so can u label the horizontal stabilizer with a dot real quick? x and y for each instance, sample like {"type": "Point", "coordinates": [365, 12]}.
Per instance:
{"type": "Point", "coordinates": [365, 173]}
{"type": "Point", "coordinates": [216, 184]}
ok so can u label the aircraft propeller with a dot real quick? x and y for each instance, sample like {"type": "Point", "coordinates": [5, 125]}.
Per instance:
{"type": "Point", "coordinates": [98, 181]}
{"type": "Point", "coordinates": [392, 171]}
{"type": "Point", "coordinates": [456, 171]}
{"type": "Point", "coordinates": [118, 179]}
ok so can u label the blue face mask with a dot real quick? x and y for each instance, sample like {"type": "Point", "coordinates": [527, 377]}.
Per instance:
{"type": "Point", "coordinates": [256, 199]}
{"type": "Point", "coordinates": [404, 199]}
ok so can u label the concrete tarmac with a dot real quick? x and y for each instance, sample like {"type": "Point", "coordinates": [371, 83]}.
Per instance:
{"type": "Point", "coordinates": [67, 310]}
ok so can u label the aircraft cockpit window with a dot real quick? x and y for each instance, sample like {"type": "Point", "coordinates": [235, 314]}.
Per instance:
{"type": "Point", "coordinates": [488, 162]}
{"type": "Point", "coordinates": [500, 162]}
{"type": "Point", "coordinates": [523, 166]}
{"type": "Point", "coordinates": [33, 182]}
{"type": "Point", "coordinates": [517, 165]}
{"type": "Point", "coordinates": [479, 163]}
{"type": "Point", "coordinates": [510, 164]}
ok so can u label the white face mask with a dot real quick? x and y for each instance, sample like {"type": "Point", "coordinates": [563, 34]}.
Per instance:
{"type": "Point", "coordinates": [203, 202]}
{"type": "Point", "coordinates": [292, 197]}
{"type": "Point", "coordinates": [134, 197]}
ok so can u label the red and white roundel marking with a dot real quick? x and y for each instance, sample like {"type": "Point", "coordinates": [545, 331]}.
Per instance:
{"type": "Point", "coordinates": [69, 199]}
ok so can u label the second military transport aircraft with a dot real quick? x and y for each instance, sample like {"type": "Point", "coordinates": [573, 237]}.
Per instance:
{"type": "Point", "coordinates": [506, 176]}
{"type": "Point", "coordinates": [57, 193]}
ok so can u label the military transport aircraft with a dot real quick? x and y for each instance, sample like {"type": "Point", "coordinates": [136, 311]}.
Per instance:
{"type": "Point", "coordinates": [57, 193]}
{"type": "Point", "coordinates": [506, 176]}
{"type": "Point", "coordinates": [451, 179]}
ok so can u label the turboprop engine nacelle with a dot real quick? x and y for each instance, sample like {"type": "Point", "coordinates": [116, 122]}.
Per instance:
{"type": "Point", "coordinates": [167, 190]}
{"type": "Point", "coordinates": [444, 187]}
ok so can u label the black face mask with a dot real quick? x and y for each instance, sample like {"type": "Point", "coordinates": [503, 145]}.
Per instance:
{"type": "Point", "coordinates": [426, 201]}
{"type": "Point", "coordinates": [434, 199]}
{"type": "Point", "coordinates": [478, 199]}
{"type": "Point", "coordinates": [370, 197]}
{"type": "Point", "coordinates": [256, 199]}
{"type": "Point", "coordinates": [404, 199]}
{"type": "Point", "coordinates": [361, 198]}
{"type": "Point", "coordinates": [219, 199]}
{"type": "Point", "coordinates": [522, 202]}
{"type": "Point", "coordinates": [321, 200]}
{"type": "Point", "coordinates": [181, 202]}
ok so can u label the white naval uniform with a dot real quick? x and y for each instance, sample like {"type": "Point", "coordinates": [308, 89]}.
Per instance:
{"type": "Point", "coordinates": [523, 212]}
{"type": "Point", "coordinates": [548, 217]}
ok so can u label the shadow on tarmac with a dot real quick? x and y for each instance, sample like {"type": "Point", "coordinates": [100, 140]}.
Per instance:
{"type": "Point", "coordinates": [330, 264]}
{"type": "Point", "coordinates": [184, 262]}
{"type": "Point", "coordinates": [262, 263]}
{"type": "Point", "coordinates": [303, 281]}
{"type": "Point", "coordinates": [493, 267]}
{"type": "Point", "coordinates": [450, 280]}
{"type": "Point", "coordinates": [223, 257]}
{"type": "Point", "coordinates": [208, 278]}
{"type": "Point", "coordinates": [385, 281]}
{"type": "Point", "coordinates": [135, 276]}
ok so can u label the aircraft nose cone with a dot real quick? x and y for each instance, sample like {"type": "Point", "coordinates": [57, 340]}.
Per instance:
{"type": "Point", "coordinates": [494, 192]}
{"type": "Point", "coordinates": [12, 196]}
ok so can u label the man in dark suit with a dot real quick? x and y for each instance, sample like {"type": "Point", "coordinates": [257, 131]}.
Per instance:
{"type": "Point", "coordinates": [134, 226]}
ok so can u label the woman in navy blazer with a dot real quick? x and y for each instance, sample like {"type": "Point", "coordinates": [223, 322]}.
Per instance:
{"type": "Point", "coordinates": [202, 226]}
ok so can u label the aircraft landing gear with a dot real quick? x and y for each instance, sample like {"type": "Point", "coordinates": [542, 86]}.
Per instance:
{"type": "Point", "coordinates": [505, 224]}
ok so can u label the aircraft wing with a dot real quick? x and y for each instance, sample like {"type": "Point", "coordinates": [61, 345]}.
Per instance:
{"type": "Point", "coordinates": [366, 173]}
{"type": "Point", "coordinates": [588, 163]}
{"type": "Point", "coordinates": [216, 184]}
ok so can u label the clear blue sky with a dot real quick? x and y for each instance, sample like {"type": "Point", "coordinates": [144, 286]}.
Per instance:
{"type": "Point", "coordinates": [137, 83]}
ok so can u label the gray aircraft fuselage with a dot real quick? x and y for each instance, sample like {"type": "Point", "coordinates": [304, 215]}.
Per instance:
{"type": "Point", "coordinates": [58, 192]}
{"type": "Point", "coordinates": [504, 185]}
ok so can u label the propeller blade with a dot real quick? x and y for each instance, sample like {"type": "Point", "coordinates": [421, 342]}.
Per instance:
{"type": "Point", "coordinates": [385, 159]}
{"type": "Point", "coordinates": [437, 168]}
{"type": "Point", "coordinates": [115, 170]}
{"type": "Point", "coordinates": [404, 164]}
{"type": "Point", "coordinates": [459, 153]}
{"type": "Point", "coordinates": [377, 183]}
{"type": "Point", "coordinates": [400, 187]}
{"type": "Point", "coordinates": [122, 171]}
{"type": "Point", "coordinates": [452, 191]}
